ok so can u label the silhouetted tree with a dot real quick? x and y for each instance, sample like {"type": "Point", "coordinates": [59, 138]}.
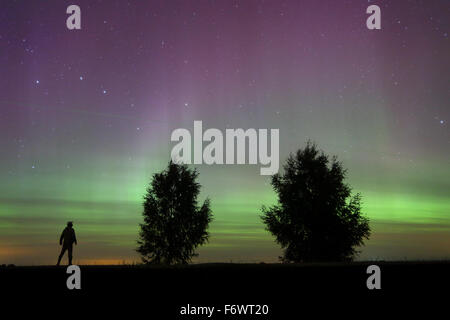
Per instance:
{"type": "Point", "coordinates": [173, 225]}
{"type": "Point", "coordinates": [316, 218]}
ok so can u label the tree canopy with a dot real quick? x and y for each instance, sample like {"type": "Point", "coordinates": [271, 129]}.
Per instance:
{"type": "Point", "coordinates": [316, 217]}
{"type": "Point", "coordinates": [174, 225]}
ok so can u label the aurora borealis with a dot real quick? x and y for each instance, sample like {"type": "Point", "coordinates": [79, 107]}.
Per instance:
{"type": "Point", "coordinates": [86, 117]}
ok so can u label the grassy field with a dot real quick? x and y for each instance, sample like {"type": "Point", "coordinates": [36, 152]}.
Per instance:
{"type": "Point", "coordinates": [283, 287]}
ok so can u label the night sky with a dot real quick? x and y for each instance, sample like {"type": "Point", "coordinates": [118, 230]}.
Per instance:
{"type": "Point", "coordinates": [86, 117]}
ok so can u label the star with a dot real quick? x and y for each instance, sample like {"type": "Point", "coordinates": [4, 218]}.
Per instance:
{"type": "Point", "coordinates": [37, 81]}
{"type": "Point", "coordinates": [104, 91]}
{"type": "Point", "coordinates": [81, 77]}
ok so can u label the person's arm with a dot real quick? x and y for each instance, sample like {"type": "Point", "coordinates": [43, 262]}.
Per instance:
{"type": "Point", "coordinates": [61, 238]}
{"type": "Point", "coordinates": [75, 237]}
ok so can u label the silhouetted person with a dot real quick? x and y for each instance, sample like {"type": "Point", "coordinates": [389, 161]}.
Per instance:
{"type": "Point", "coordinates": [68, 236]}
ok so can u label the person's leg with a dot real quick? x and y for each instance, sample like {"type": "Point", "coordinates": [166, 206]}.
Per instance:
{"type": "Point", "coordinates": [63, 249]}
{"type": "Point", "coordinates": [70, 254]}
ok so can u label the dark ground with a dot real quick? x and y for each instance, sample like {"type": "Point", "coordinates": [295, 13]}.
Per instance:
{"type": "Point", "coordinates": [287, 289]}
